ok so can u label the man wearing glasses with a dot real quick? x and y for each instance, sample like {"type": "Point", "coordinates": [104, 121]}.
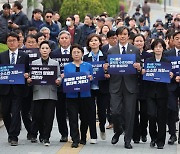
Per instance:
{"type": "Point", "coordinates": [54, 29]}
{"type": "Point", "coordinates": [12, 94]}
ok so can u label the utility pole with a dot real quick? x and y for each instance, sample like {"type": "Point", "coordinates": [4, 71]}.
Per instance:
{"type": "Point", "coordinates": [164, 5]}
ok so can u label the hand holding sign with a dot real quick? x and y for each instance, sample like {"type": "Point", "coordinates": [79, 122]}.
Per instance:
{"type": "Point", "coordinates": [177, 78]}
{"type": "Point", "coordinates": [137, 66]}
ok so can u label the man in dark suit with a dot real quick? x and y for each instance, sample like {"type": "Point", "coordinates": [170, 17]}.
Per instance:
{"type": "Point", "coordinates": [65, 43]}
{"type": "Point", "coordinates": [112, 41]}
{"type": "Point", "coordinates": [123, 90]}
{"type": "Point", "coordinates": [11, 95]}
{"type": "Point", "coordinates": [173, 89]}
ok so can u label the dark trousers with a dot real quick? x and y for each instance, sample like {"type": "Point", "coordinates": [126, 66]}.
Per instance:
{"type": "Point", "coordinates": [157, 110]}
{"type": "Point", "coordinates": [90, 111]}
{"type": "Point", "coordinates": [172, 112]}
{"type": "Point", "coordinates": [108, 110]}
{"type": "Point", "coordinates": [172, 117]}
{"type": "Point", "coordinates": [84, 108]}
{"type": "Point", "coordinates": [26, 109]}
{"type": "Point", "coordinates": [43, 114]}
{"type": "Point", "coordinates": [11, 105]}
{"type": "Point", "coordinates": [101, 101]}
{"type": "Point", "coordinates": [61, 114]}
{"type": "Point", "coordinates": [140, 120]}
{"type": "Point", "coordinates": [123, 105]}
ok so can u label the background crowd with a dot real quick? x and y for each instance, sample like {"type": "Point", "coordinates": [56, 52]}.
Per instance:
{"type": "Point", "coordinates": [131, 105]}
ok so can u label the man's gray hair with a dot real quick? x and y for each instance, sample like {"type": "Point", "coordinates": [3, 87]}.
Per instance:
{"type": "Point", "coordinates": [44, 28]}
{"type": "Point", "coordinates": [64, 32]}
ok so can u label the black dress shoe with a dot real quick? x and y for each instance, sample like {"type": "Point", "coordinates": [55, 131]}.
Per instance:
{"type": "Point", "coordinates": [82, 142]}
{"type": "Point", "coordinates": [64, 139]}
{"type": "Point", "coordinates": [144, 138]}
{"type": "Point", "coordinates": [152, 143]}
{"type": "Point", "coordinates": [178, 140]}
{"type": "Point", "coordinates": [115, 138]}
{"type": "Point", "coordinates": [14, 143]}
{"type": "Point", "coordinates": [128, 145]}
{"type": "Point", "coordinates": [172, 139]}
{"type": "Point", "coordinates": [160, 147]}
{"type": "Point", "coordinates": [33, 140]}
{"type": "Point", "coordinates": [136, 141]}
{"type": "Point", "coordinates": [74, 145]}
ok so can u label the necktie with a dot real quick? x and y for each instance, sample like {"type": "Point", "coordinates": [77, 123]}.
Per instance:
{"type": "Point", "coordinates": [65, 51]}
{"type": "Point", "coordinates": [123, 50]}
{"type": "Point", "coordinates": [13, 58]}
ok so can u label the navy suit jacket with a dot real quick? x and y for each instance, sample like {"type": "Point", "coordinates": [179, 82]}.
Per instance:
{"type": "Point", "coordinates": [22, 58]}
{"type": "Point", "coordinates": [105, 48]}
{"type": "Point", "coordinates": [103, 84]}
{"type": "Point", "coordinates": [174, 85]}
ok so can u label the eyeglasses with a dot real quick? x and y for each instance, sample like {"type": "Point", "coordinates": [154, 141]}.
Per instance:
{"type": "Point", "coordinates": [11, 41]}
{"type": "Point", "coordinates": [48, 16]}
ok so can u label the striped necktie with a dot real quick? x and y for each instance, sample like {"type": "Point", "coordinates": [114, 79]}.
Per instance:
{"type": "Point", "coordinates": [12, 58]}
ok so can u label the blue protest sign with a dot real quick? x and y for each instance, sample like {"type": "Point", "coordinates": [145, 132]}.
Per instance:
{"type": "Point", "coordinates": [157, 71]}
{"type": "Point", "coordinates": [12, 74]}
{"type": "Point", "coordinates": [175, 61]}
{"type": "Point", "coordinates": [32, 52]}
{"type": "Point", "coordinates": [62, 59]}
{"type": "Point", "coordinates": [121, 63]}
{"type": "Point", "coordinates": [43, 75]}
{"type": "Point", "coordinates": [76, 82]}
{"type": "Point", "coordinates": [98, 70]}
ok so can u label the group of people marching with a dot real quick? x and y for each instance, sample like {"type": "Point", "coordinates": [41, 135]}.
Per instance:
{"type": "Point", "coordinates": [130, 103]}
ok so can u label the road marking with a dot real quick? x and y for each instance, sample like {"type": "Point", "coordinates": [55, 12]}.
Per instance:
{"type": "Point", "coordinates": [66, 148]}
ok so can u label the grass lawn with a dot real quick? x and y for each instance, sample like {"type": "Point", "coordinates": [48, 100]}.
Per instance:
{"type": "Point", "coordinates": [3, 47]}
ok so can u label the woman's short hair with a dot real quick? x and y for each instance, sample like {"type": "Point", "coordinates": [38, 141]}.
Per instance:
{"type": "Point", "coordinates": [158, 41]}
{"type": "Point", "coordinates": [76, 46]}
{"type": "Point", "coordinates": [44, 42]}
{"type": "Point", "coordinates": [89, 39]}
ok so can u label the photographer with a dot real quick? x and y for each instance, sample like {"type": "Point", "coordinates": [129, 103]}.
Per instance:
{"type": "Point", "coordinates": [168, 18]}
{"type": "Point", "coordinates": [176, 24]}
{"type": "Point", "coordinates": [159, 31]}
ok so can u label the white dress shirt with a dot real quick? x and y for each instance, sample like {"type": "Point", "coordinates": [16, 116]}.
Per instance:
{"type": "Point", "coordinates": [68, 50]}
{"type": "Point", "coordinates": [121, 49]}
{"type": "Point", "coordinates": [15, 55]}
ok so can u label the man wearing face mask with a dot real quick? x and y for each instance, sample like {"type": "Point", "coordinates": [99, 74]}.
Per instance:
{"type": "Point", "coordinates": [73, 30]}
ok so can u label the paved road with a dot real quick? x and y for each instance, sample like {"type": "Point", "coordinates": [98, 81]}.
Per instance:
{"type": "Point", "coordinates": [157, 10]}
{"type": "Point", "coordinates": [102, 147]}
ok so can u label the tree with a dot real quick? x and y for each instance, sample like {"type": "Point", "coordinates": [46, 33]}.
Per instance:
{"type": "Point", "coordinates": [81, 7]}
{"type": "Point", "coordinates": [55, 5]}
{"type": "Point", "coordinates": [111, 6]}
